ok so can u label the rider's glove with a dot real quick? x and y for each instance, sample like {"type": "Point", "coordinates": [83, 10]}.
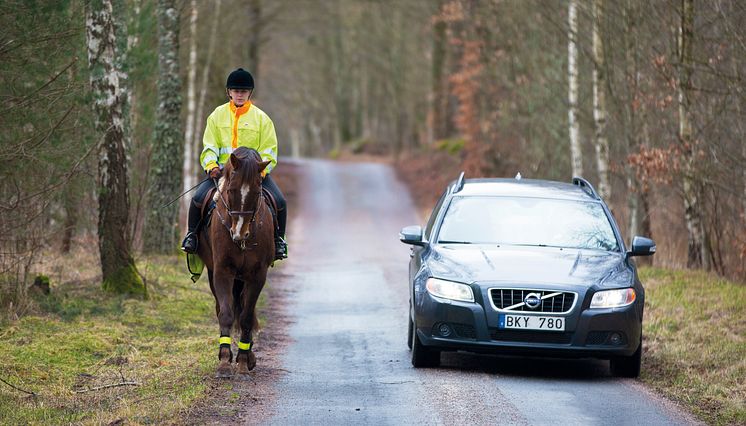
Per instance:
{"type": "Point", "coordinates": [215, 173]}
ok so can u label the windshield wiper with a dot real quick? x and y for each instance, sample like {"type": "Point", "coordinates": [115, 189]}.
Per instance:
{"type": "Point", "coordinates": [453, 242]}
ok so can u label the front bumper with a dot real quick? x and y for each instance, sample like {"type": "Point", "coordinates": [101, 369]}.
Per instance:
{"type": "Point", "coordinates": [474, 328]}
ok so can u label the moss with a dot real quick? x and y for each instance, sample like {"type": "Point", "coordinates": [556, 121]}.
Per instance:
{"type": "Point", "coordinates": [126, 280]}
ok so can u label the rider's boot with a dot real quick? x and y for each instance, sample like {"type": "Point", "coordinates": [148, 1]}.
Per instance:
{"type": "Point", "coordinates": [281, 248]}
{"type": "Point", "coordinates": [190, 241]}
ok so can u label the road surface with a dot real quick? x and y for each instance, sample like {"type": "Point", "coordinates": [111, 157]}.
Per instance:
{"type": "Point", "coordinates": [348, 362]}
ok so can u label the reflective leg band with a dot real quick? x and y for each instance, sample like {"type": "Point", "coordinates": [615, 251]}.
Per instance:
{"type": "Point", "coordinates": [244, 346]}
{"type": "Point", "coordinates": [225, 340]}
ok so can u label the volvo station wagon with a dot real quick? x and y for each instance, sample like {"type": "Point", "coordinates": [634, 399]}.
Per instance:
{"type": "Point", "coordinates": [522, 266]}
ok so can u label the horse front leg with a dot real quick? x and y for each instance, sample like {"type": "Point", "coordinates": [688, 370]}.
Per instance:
{"type": "Point", "coordinates": [246, 360]}
{"type": "Point", "coordinates": [223, 291]}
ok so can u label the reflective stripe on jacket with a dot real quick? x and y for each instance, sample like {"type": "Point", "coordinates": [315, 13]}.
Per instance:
{"type": "Point", "coordinates": [254, 129]}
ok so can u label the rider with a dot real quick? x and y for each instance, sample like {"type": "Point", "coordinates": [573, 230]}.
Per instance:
{"type": "Point", "coordinates": [233, 124]}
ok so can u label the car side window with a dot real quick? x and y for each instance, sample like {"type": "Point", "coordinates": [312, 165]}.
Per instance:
{"type": "Point", "coordinates": [434, 215]}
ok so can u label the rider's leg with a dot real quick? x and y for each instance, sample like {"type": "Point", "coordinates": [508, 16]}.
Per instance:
{"type": "Point", "coordinates": [282, 214]}
{"type": "Point", "coordinates": [190, 241]}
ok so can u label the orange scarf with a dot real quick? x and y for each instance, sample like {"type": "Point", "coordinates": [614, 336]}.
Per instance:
{"type": "Point", "coordinates": [237, 112]}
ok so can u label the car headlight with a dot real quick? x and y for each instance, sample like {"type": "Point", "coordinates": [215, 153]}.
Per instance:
{"type": "Point", "coordinates": [449, 290]}
{"type": "Point", "coordinates": [613, 298]}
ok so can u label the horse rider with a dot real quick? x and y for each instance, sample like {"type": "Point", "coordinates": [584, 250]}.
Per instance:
{"type": "Point", "coordinates": [233, 124]}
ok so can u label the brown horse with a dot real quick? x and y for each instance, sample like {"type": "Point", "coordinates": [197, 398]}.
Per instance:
{"type": "Point", "coordinates": [238, 248]}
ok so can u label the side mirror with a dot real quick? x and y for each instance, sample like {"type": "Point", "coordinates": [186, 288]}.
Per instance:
{"type": "Point", "coordinates": [412, 235]}
{"type": "Point", "coordinates": [642, 246]}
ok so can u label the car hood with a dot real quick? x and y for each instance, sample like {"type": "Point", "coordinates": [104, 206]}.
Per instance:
{"type": "Point", "coordinates": [515, 264]}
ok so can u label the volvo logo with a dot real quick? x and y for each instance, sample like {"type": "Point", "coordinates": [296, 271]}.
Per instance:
{"type": "Point", "coordinates": [532, 300]}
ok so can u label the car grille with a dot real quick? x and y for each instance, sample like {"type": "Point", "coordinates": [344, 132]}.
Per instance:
{"type": "Point", "coordinates": [558, 302]}
{"type": "Point", "coordinates": [531, 336]}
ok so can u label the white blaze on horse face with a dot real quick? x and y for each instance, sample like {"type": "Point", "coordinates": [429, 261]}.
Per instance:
{"type": "Point", "coordinates": [238, 232]}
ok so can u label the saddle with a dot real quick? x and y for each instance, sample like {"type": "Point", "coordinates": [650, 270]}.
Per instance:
{"type": "Point", "coordinates": [208, 204]}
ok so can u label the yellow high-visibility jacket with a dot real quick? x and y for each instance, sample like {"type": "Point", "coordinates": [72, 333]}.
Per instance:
{"type": "Point", "coordinates": [229, 127]}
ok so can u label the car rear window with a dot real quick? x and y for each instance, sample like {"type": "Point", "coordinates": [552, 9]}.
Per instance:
{"type": "Point", "coordinates": [527, 221]}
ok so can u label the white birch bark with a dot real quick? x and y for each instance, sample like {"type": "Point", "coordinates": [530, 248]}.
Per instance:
{"type": "Point", "coordinates": [118, 268]}
{"type": "Point", "coordinates": [190, 161]}
{"type": "Point", "coordinates": [572, 77]}
{"type": "Point", "coordinates": [599, 102]}
{"type": "Point", "coordinates": [199, 117]}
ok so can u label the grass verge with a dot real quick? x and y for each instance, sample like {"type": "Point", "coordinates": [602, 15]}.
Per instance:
{"type": "Point", "coordinates": [82, 338]}
{"type": "Point", "coordinates": [695, 342]}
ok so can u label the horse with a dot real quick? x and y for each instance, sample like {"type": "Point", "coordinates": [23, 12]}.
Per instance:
{"type": "Point", "coordinates": [237, 247]}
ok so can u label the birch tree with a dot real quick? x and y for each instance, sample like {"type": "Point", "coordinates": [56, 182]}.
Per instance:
{"type": "Point", "coordinates": [118, 268]}
{"type": "Point", "coordinates": [189, 166]}
{"type": "Point", "coordinates": [576, 152]}
{"type": "Point", "coordinates": [599, 101]}
{"type": "Point", "coordinates": [698, 246]}
{"type": "Point", "coordinates": [166, 164]}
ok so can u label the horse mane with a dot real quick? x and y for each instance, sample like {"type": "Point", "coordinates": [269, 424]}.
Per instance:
{"type": "Point", "coordinates": [249, 159]}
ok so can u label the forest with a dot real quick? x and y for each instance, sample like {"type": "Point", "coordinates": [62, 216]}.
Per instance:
{"type": "Point", "coordinates": [103, 105]}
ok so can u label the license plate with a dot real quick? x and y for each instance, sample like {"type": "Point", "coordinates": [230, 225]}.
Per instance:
{"type": "Point", "coordinates": [530, 322]}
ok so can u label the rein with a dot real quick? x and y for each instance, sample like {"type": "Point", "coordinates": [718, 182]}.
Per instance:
{"type": "Point", "coordinates": [232, 213]}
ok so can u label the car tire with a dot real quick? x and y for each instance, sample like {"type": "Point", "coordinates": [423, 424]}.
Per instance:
{"type": "Point", "coordinates": [627, 366]}
{"type": "Point", "coordinates": [422, 356]}
{"type": "Point", "coordinates": [410, 331]}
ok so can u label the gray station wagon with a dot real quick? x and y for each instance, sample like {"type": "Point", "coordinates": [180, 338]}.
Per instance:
{"type": "Point", "coordinates": [522, 266]}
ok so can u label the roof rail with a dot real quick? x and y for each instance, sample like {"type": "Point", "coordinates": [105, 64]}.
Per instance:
{"type": "Point", "coordinates": [459, 184]}
{"type": "Point", "coordinates": [585, 186]}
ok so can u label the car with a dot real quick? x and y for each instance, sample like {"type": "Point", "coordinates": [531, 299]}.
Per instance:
{"type": "Point", "coordinates": [524, 267]}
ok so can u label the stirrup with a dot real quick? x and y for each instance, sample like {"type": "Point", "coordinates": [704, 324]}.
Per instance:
{"type": "Point", "coordinates": [190, 243]}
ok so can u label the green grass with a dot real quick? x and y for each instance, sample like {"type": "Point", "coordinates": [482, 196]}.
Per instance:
{"type": "Point", "coordinates": [695, 342]}
{"type": "Point", "coordinates": [82, 337]}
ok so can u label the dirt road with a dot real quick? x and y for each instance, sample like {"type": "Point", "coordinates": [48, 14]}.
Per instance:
{"type": "Point", "coordinates": [348, 361]}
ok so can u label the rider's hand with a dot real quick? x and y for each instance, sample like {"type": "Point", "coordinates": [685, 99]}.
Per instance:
{"type": "Point", "coordinates": [215, 173]}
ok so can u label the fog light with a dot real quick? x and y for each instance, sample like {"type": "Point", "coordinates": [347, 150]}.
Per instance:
{"type": "Point", "coordinates": [445, 330]}
{"type": "Point", "coordinates": [615, 339]}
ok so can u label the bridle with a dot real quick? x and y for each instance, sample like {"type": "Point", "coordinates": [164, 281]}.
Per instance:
{"type": "Point", "coordinates": [232, 213]}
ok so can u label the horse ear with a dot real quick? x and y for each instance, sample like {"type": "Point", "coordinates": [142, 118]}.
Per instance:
{"type": "Point", "coordinates": [263, 165]}
{"type": "Point", "coordinates": [235, 162]}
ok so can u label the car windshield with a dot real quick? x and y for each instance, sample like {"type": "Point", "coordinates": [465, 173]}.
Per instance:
{"type": "Point", "coordinates": [527, 221]}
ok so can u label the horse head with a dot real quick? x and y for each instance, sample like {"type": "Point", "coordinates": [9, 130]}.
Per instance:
{"type": "Point", "coordinates": [241, 191]}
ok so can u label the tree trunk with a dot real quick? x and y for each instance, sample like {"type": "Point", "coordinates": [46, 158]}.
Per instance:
{"type": "Point", "coordinates": [599, 102]}
{"type": "Point", "coordinates": [118, 268]}
{"type": "Point", "coordinates": [257, 25]}
{"type": "Point", "coordinates": [200, 118]}
{"type": "Point", "coordinates": [698, 248]}
{"type": "Point", "coordinates": [572, 77]}
{"type": "Point", "coordinates": [439, 87]}
{"type": "Point", "coordinates": [190, 159]}
{"type": "Point", "coordinates": [165, 170]}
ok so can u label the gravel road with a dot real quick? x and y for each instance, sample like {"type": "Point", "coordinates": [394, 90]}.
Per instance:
{"type": "Point", "coordinates": [347, 361]}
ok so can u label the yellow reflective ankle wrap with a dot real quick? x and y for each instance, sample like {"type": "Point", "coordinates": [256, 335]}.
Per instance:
{"type": "Point", "coordinates": [225, 340]}
{"type": "Point", "coordinates": [244, 346]}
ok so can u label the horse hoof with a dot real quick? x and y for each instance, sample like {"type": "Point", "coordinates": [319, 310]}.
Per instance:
{"type": "Point", "coordinates": [224, 370]}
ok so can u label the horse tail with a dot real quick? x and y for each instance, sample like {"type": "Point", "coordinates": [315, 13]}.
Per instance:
{"type": "Point", "coordinates": [238, 286]}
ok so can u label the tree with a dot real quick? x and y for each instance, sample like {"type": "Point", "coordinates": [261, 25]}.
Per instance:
{"type": "Point", "coordinates": [698, 244]}
{"type": "Point", "coordinates": [576, 151]}
{"type": "Point", "coordinates": [599, 101]}
{"type": "Point", "coordinates": [166, 163]}
{"type": "Point", "coordinates": [189, 166]}
{"type": "Point", "coordinates": [119, 272]}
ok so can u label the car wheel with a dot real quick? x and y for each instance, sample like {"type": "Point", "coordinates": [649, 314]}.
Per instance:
{"type": "Point", "coordinates": [627, 366]}
{"type": "Point", "coordinates": [422, 356]}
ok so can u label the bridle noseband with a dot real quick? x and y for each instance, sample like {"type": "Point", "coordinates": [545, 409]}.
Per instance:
{"type": "Point", "coordinates": [232, 213]}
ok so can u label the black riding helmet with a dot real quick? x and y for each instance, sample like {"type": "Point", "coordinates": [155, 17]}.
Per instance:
{"type": "Point", "coordinates": [240, 79]}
